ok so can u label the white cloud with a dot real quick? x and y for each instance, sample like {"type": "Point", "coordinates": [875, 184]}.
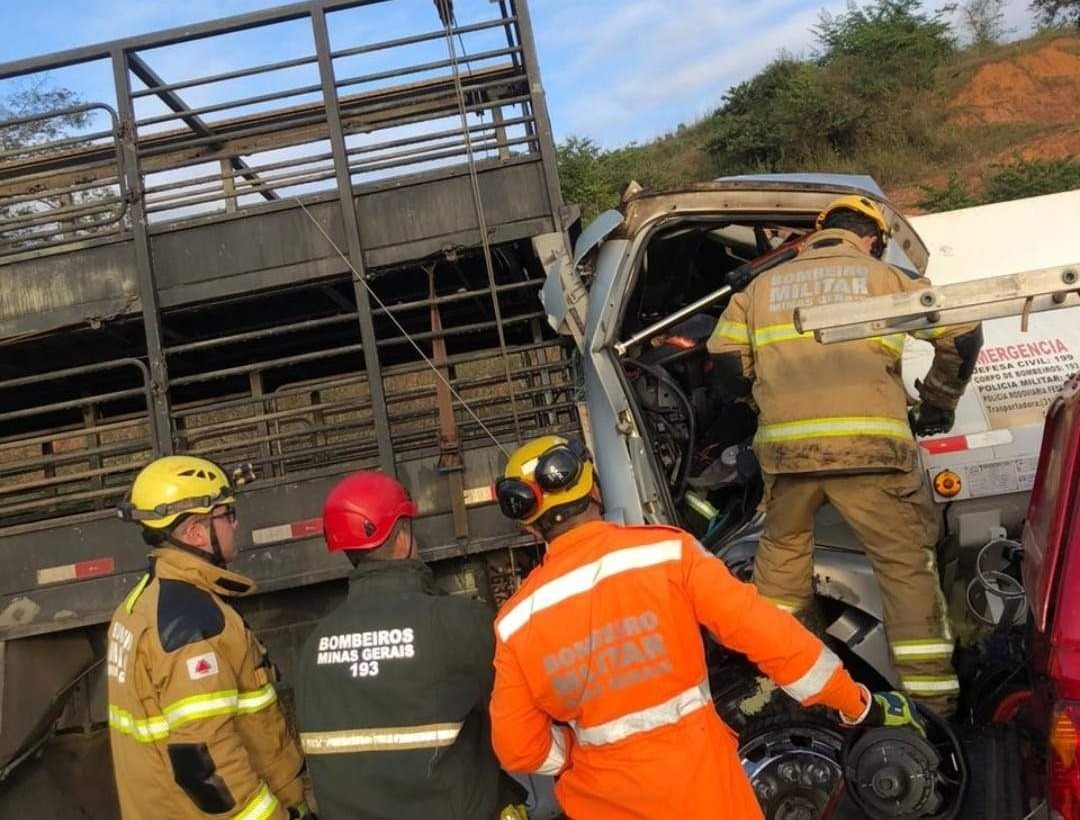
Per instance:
{"type": "Point", "coordinates": [680, 65]}
{"type": "Point", "coordinates": [618, 72]}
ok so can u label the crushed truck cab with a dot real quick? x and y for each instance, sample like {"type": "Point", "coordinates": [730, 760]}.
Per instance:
{"type": "Point", "coordinates": [673, 447]}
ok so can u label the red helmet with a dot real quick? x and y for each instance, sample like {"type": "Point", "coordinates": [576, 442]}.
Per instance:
{"type": "Point", "coordinates": [361, 511]}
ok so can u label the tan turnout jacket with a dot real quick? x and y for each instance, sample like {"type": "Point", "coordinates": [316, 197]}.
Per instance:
{"type": "Point", "coordinates": [841, 407]}
{"type": "Point", "coordinates": [195, 725]}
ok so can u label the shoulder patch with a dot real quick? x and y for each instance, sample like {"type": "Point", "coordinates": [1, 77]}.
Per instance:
{"type": "Point", "coordinates": [186, 615]}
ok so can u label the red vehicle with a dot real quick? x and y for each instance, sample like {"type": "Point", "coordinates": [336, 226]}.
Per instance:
{"type": "Point", "coordinates": [1051, 571]}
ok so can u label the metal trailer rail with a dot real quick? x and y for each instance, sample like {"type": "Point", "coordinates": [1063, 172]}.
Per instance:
{"type": "Point", "coordinates": [162, 290]}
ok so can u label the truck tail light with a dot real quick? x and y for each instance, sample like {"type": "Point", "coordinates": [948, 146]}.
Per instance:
{"type": "Point", "coordinates": [1063, 793]}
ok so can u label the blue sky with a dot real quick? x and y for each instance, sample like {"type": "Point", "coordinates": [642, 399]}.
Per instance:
{"type": "Point", "coordinates": [614, 70]}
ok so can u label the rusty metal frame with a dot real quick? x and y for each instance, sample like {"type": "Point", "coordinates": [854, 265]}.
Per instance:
{"type": "Point", "coordinates": [352, 236]}
{"type": "Point", "coordinates": [171, 99]}
{"type": "Point", "coordinates": [117, 207]}
{"type": "Point", "coordinates": [50, 460]}
{"type": "Point", "coordinates": [514, 135]}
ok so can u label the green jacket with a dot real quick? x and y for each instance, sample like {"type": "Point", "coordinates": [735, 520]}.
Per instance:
{"type": "Point", "coordinates": [392, 701]}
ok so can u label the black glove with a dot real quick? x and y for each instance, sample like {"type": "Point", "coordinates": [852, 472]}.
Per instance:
{"type": "Point", "coordinates": [892, 710]}
{"type": "Point", "coordinates": [301, 811]}
{"type": "Point", "coordinates": [930, 420]}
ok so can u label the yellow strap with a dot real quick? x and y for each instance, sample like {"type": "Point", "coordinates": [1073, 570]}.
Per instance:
{"type": "Point", "coordinates": [386, 739]}
{"type": "Point", "coordinates": [931, 334]}
{"type": "Point", "coordinates": [937, 648]}
{"type": "Point", "coordinates": [930, 685]}
{"type": "Point", "coordinates": [772, 334]}
{"type": "Point", "coordinates": [732, 331]}
{"type": "Point", "coordinates": [144, 730]}
{"type": "Point", "coordinates": [260, 807]}
{"type": "Point", "coordinates": [780, 603]}
{"type": "Point", "coordinates": [256, 700]}
{"type": "Point", "coordinates": [186, 710]}
{"type": "Point", "coordinates": [224, 702]}
{"type": "Point", "coordinates": [133, 596]}
{"type": "Point", "coordinates": [894, 343]}
{"type": "Point", "coordinates": [834, 427]}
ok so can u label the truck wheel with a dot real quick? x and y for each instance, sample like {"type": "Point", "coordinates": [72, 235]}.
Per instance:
{"type": "Point", "coordinates": [792, 762]}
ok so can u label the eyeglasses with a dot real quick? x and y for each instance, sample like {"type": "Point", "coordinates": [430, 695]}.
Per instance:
{"type": "Point", "coordinates": [229, 515]}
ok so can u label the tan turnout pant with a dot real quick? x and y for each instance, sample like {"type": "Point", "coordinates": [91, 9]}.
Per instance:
{"type": "Point", "coordinates": [894, 517]}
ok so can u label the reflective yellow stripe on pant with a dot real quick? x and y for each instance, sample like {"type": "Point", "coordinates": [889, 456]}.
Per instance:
{"type": "Point", "coordinates": [892, 514]}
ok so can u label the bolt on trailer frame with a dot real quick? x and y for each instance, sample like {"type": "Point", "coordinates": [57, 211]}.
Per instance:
{"type": "Point", "coordinates": [242, 264]}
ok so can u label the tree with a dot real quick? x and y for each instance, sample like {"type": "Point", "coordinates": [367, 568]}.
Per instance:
{"type": "Point", "coordinates": [984, 20]}
{"type": "Point", "coordinates": [32, 101]}
{"type": "Point", "coordinates": [866, 84]}
{"type": "Point", "coordinates": [34, 129]}
{"type": "Point", "coordinates": [1055, 12]}
{"type": "Point", "coordinates": [886, 44]}
{"type": "Point", "coordinates": [582, 176]}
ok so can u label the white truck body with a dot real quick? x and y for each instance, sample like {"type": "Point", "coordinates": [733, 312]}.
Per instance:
{"type": "Point", "coordinates": [995, 444]}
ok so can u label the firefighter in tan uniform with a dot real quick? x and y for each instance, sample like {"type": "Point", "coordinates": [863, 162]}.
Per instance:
{"type": "Point", "coordinates": [195, 726]}
{"type": "Point", "coordinates": [834, 428]}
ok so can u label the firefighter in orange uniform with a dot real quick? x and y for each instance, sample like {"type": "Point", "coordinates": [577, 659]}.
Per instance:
{"type": "Point", "coordinates": [600, 674]}
{"type": "Point", "coordinates": [194, 721]}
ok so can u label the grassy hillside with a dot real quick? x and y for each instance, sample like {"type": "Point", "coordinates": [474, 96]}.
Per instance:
{"type": "Point", "coordinates": [887, 93]}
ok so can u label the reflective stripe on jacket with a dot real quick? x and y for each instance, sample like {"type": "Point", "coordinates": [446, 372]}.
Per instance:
{"type": "Point", "coordinates": [194, 719]}
{"type": "Point", "coordinates": [600, 674]}
{"type": "Point", "coordinates": [842, 406]}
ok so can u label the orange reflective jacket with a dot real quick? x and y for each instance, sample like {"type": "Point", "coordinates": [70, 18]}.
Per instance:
{"type": "Point", "coordinates": [600, 674]}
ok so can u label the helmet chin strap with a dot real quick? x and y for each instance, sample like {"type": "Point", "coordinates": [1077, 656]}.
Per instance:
{"type": "Point", "coordinates": [215, 545]}
{"type": "Point", "coordinates": [217, 559]}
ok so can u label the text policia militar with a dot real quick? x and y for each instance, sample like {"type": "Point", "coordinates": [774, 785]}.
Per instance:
{"type": "Point", "coordinates": [362, 651]}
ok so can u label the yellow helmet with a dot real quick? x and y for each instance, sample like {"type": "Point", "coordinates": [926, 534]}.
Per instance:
{"type": "Point", "coordinates": [171, 486]}
{"type": "Point", "coordinates": [861, 205]}
{"type": "Point", "coordinates": [545, 474]}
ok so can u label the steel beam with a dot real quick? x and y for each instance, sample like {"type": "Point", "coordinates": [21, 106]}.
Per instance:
{"type": "Point", "coordinates": [160, 421]}
{"type": "Point", "coordinates": [193, 121]}
{"type": "Point", "coordinates": [352, 235]}
{"type": "Point", "coordinates": [180, 34]}
{"type": "Point", "coordinates": [539, 111]}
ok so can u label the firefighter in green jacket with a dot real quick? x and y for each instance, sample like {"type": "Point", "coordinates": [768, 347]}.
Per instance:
{"type": "Point", "coordinates": [394, 684]}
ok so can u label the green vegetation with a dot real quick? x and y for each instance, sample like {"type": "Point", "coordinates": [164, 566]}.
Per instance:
{"type": "Point", "coordinates": [1016, 180]}
{"type": "Point", "coordinates": [873, 98]}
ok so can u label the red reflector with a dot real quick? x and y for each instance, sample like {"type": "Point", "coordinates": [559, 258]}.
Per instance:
{"type": "Point", "coordinates": [301, 529]}
{"type": "Point", "coordinates": [99, 566]}
{"type": "Point", "coordinates": [76, 572]}
{"type": "Point", "coordinates": [952, 444]}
